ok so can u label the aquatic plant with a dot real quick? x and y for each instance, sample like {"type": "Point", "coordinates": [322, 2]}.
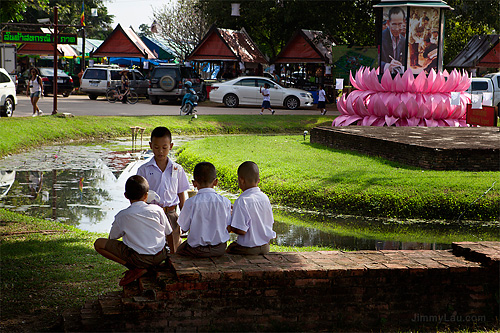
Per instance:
{"type": "Point", "coordinates": [405, 100]}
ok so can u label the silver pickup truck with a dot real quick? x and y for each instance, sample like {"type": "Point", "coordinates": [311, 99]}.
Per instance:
{"type": "Point", "coordinates": [488, 83]}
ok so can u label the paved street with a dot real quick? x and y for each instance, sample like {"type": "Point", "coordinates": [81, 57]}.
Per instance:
{"type": "Point", "coordinates": [80, 105]}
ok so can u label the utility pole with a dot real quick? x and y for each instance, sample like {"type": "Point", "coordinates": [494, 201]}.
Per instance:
{"type": "Point", "coordinates": [54, 81]}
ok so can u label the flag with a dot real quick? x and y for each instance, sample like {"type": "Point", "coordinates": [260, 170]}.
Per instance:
{"type": "Point", "coordinates": [80, 185]}
{"type": "Point", "coordinates": [82, 16]}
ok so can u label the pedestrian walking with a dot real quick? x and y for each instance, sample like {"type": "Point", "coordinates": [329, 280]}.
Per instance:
{"type": "Point", "coordinates": [322, 99]}
{"type": "Point", "coordinates": [34, 90]}
{"type": "Point", "coordinates": [266, 100]}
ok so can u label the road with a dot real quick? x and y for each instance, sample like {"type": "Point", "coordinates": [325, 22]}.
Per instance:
{"type": "Point", "coordinates": [81, 105]}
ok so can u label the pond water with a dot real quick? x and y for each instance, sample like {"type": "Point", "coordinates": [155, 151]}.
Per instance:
{"type": "Point", "coordinates": [83, 185]}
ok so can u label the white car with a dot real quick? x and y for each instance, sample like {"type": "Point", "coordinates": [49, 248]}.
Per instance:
{"type": "Point", "coordinates": [8, 99]}
{"type": "Point", "coordinates": [244, 90]}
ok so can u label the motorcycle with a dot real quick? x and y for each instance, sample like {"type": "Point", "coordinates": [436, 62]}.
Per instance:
{"type": "Point", "coordinates": [189, 101]}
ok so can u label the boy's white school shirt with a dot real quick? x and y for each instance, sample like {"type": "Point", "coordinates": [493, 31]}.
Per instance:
{"type": "Point", "coordinates": [266, 95]}
{"type": "Point", "coordinates": [166, 184]}
{"type": "Point", "coordinates": [322, 96]}
{"type": "Point", "coordinates": [142, 227]}
{"type": "Point", "coordinates": [206, 216]}
{"type": "Point", "coordinates": [252, 212]}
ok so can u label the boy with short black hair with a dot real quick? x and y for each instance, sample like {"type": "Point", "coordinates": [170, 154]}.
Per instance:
{"type": "Point", "coordinates": [166, 178]}
{"type": "Point", "coordinates": [206, 216]}
{"type": "Point", "coordinates": [143, 229]}
{"type": "Point", "coordinates": [252, 219]}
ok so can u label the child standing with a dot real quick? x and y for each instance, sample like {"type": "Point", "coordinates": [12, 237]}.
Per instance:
{"type": "Point", "coordinates": [143, 229]}
{"type": "Point", "coordinates": [206, 216]}
{"type": "Point", "coordinates": [322, 99]}
{"type": "Point", "coordinates": [252, 218]}
{"type": "Point", "coordinates": [266, 100]}
{"type": "Point", "coordinates": [166, 178]}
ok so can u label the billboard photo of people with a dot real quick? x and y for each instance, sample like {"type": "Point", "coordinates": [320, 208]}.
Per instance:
{"type": "Point", "coordinates": [393, 44]}
{"type": "Point", "coordinates": [423, 39]}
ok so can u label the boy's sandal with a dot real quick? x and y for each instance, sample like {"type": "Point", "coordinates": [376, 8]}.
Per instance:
{"type": "Point", "coordinates": [132, 275]}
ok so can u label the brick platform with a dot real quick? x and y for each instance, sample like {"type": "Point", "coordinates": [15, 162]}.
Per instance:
{"type": "Point", "coordinates": [310, 291]}
{"type": "Point", "coordinates": [435, 148]}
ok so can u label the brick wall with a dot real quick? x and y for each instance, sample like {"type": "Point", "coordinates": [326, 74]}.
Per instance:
{"type": "Point", "coordinates": [312, 291]}
{"type": "Point", "coordinates": [465, 149]}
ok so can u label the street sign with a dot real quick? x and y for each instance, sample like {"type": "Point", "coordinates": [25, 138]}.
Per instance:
{"type": "Point", "coordinates": [483, 117]}
{"type": "Point", "coordinates": [37, 37]}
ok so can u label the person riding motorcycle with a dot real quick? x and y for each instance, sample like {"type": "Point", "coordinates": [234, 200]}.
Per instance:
{"type": "Point", "coordinates": [189, 98]}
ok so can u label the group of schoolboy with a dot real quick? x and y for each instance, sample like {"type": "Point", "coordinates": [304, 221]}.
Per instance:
{"type": "Point", "coordinates": [145, 228]}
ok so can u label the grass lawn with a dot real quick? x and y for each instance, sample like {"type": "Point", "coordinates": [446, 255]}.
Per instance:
{"type": "Point", "coordinates": [299, 174]}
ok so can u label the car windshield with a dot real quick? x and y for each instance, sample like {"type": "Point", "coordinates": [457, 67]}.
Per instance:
{"type": "Point", "coordinates": [50, 72]}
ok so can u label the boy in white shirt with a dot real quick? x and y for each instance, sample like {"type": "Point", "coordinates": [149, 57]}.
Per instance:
{"type": "Point", "coordinates": [266, 99]}
{"type": "Point", "coordinates": [252, 219]}
{"type": "Point", "coordinates": [142, 228]}
{"type": "Point", "coordinates": [206, 216]}
{"type": "Point", "coordinates": [167, 179]}
{"type": "Point", "coordinates": [322, 99]}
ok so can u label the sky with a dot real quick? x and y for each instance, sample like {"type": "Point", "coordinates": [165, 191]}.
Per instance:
{"type": "Point", "coordinates": [133, 12]}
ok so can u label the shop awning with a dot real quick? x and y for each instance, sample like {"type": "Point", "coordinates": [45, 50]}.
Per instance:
{"type": "Point", "coordinates": [123, 43]}
{"type": "Point", "coordinates": [306, 46]}
{"type": "Point", "coordinates": [46, 50]}
{"type": "Point", "coordinates": [481, 51]}
{"type": "Point", "coordinates": [158, 47]}
{"type": "Point", "coordinates": [227, 45]}
{"type": "Point", "coordinates": [415, 3]}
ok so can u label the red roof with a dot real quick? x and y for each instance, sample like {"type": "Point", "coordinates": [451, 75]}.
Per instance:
{"type": "Point", "coordinates": [306, 46]}
{"type": "Point", "coordinates": [46, 49]}
{"type": "Point", "coordinates": [123, 43]}
{"type": "Point", "coordinates": [227, 45]}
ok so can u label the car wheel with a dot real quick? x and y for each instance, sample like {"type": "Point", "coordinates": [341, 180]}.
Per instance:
{"type": "Point", "coordinates": [65, 94]}
{"type": "Point", "coordinates": [167, 83]}
{"type": "Point", "coordinates": [231, 100]}
{"type": "Point", "coordinates": [45, 94]}
{"type": "Point", "coordinates": [154, 100]}
{"type": "Point", "coordinates": [93, 97]}
{"type": "Point", "coordinates": [8, 107]}
{"type": "Point", "coordinates": [292, 103]}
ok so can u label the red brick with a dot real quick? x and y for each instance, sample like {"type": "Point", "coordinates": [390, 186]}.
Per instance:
{"type": "Point", "coordinates": [233, 274]}
{"type": "Point", "coordinates": [188, 274]}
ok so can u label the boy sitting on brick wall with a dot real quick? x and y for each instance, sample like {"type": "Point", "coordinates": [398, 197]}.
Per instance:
{"type": "Point", "coordinates": [252, 219]}
{"type": "Point", "coordinates": [206, 216]}
{"type": "Point", "coordinates": [142, 228]}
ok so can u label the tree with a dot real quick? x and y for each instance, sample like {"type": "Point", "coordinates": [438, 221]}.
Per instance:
{"type": "Point", "coordinates": [69, 11]}
{"type": "Point", "coordinates": [182, 24]}
{"type": "Point", "coordinates": [468, 18]}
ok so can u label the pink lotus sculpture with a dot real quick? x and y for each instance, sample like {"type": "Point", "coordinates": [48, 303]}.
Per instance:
{"type": "Point", "coordinates": [404, 100]}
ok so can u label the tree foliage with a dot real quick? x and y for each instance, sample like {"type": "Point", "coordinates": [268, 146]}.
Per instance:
{"type": "Point", "coordinates": [69, 11]}
{"type": "Point", "coordinates": [182, 24]}
{"type": "Point", "coordinates": [469, 18]}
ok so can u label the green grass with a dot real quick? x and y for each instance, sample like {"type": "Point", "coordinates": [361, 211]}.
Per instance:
{"type": "Point", "coordinates": [21, 133]}
{"type": "Point", "coordinates": [299, 174]}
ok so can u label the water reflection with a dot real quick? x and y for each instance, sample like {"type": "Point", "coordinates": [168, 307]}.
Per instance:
{"type": "Point", "coordinates": [83, 186]}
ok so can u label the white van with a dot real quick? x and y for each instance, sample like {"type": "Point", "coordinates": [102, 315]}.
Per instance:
{"type": "Point", "coordinates": [98, 79]}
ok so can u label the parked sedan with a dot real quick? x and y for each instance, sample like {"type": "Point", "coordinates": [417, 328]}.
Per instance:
{"type": "Point", "coordinates": [64, 81]}
{"type": "Point", "coordinates": [8, 99]}
{"type": "Point", "coordinates": [245, 91]}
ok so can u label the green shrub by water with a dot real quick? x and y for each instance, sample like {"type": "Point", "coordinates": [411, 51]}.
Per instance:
{"type": "Point", "coordinates": [299, 174]}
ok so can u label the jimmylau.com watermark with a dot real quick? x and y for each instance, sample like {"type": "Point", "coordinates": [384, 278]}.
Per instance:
{"type": "Point", "coordinates": [447, 318]}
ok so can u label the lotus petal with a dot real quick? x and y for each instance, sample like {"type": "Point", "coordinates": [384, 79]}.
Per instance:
{"type": "Point", "coordinates": [360, 79]}
{"type": "Point", "coordinates": [351, 119]}
{"type": "Point", "coordinates": [426, 110]}
{"type": "Point", "coordinates": [420, 83]}
{"type": "Point", "coordinates": [360, 108]}
{"type": "Point", "coordinates": [368, 121]}
{"type": "Point", "coordinates": [353, 81]}
{"type": "Point", "coordinates": [372, 81]}
{"type": "Point", "coordinates": [392, 103]}
{"type": "Point", "coordinates": [339, 120]}
{"type": "Point", "coordinates": [422, 123]}
{"type": "Point", "coordinates": [379, 122]}
{"type": "Point", "coordinates": [390, 120]}
{"type": "Point", "coordinates": [341, 105]}
{"type": "Point", "coordinates": [398, 84]}
{"type": "Point", "coordinates": [441, 123]}
{"type": "Point", "coordinates": [402, 123]}
{"type": "Point", "coordinates": [464, 83]}
{"type": "Point", "coordinates": [440, 111]}
{"type": "Point", "coordinates": [438, 84]}
{"type": "Point", "coordinates": [413, 121]}
{"type": "Point", "coordinates": [349, 105]}
{"type": "Point", "coordinates": [452, 122]}
{"type": "Point", "coordinates": [376, 106]}
{"type": "Point", "coordinates": [401, 111]}
{"type": "Point", "coordinates": [386, 81]}
{"type": "Point", "coordinates": [413, 109]}
{"type": "Point", "coordinates": [407, 80]}
{"type": "Point", "coordinates": [462, 123]}
{"type": "Point", "coordinates": [452, 82]}
{"type": "Point", "coordinates": [431, 122]}
{"type": "Point", "coordinates": [431, 79]}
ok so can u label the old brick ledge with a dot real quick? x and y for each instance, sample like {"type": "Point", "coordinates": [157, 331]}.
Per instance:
{"type": "Point", "coordinates": [307, 291]}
